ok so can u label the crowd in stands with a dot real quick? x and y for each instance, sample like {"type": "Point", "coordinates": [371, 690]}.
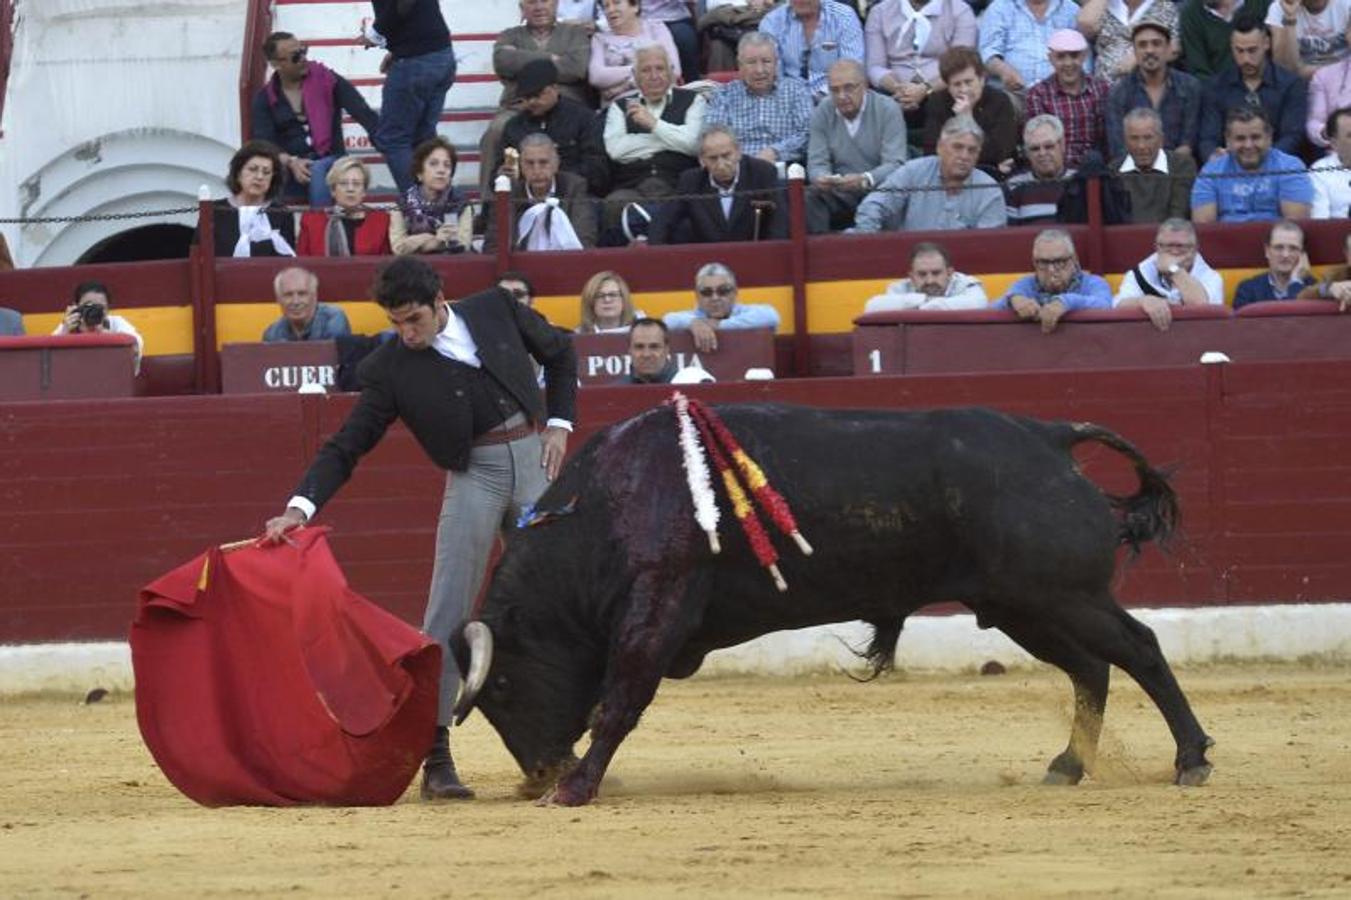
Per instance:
{"type": "Point", "coordinates": [663, 121]}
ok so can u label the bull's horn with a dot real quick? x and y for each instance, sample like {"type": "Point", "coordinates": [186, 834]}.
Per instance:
{"type": "Point", "coordinates": [479, 637]}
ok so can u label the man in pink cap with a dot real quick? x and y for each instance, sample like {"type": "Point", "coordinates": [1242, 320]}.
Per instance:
{"type": "Point", "coordinates": [1076, 98]}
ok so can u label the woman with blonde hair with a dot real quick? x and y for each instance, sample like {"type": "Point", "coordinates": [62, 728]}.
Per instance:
{"type": "Point", "coordinates": [349, 227]}
{"type": "Point", "coordinates": [607, 305]}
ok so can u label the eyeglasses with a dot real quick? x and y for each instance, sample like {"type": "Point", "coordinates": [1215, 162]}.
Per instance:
{"type": "Point", "coordinates": [297, 55]}
{"type": "Point", "coordinates": [517, 293]}
{"type": "Point", "coordinates": [719, 290]}
{"type": "Point", "coordinates": [609, 295]}
{"type": "Point", "coordinates": [1055, 263]}
{"type": "Point", "coordinates": [351, 184]}
{"type": "Point", "coordinates": [1173, 247]}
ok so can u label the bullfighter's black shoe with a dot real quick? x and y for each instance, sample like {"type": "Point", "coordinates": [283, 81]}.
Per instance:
{"type": "Point", "coordinates": [439, 779]}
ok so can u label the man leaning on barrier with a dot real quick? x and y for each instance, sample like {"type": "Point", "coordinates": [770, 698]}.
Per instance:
{"type": "Point", "coordinates": [932, 284]}
{"type": "Point", "coordinates": [941, 192]}
{"type": "Point", "coordinates": [1175, 274]}
{"type": "Point", "coordinates": [1287, 272]}
{"type": "Point", "coordinates": [1057, 284]}
{"type": "Point", "coordinates": [717, 309]}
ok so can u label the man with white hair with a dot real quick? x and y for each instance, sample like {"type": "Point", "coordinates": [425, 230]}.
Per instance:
{"type": "Point", "coordinates": [1041, 193]}
{"type": "Point", "coordinates": [1175, 274]}
{"type": "Point", "coordinates": [653, 137]}
{"type": "Point", "coordinates": [303, 317]}
{"type": "Point", "coordinates": [1057, 284]}
{"type": "Point", "coordinates": [551, 209]}
{"type": "Point", "coordinates": [717, 309]}
{"type": "Point", "coordinates": [941, 192]}
{"type": "Point", "coordinates": [770, 115]}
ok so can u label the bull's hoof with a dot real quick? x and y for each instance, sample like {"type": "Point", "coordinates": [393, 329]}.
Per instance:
{"type": "Point", "coordinates": [1194, 776]}
{"type": "Point", "coordinates": [1052, 777]}
{"type": "Point", "coordinates": [558, 796]}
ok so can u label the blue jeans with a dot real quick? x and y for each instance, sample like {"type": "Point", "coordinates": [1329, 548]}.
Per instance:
{"type": "Point", "coordinates": [410, 108]}
{"type": "Point", "coordinates": [316, 193]}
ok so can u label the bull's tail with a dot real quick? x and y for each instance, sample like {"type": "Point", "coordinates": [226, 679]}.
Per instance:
{"type": "Point", "coordinates": [1151, 513]}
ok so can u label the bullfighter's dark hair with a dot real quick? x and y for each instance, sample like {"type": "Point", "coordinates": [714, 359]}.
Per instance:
{"type": "Point", "coordinates": [91, 287]}
{"type": "Point", "coordinates": [651, 322]}
{"type": "Point", "coordinates": [924, 247]}
{"type": "Point", "coordinates": [251, 150]}
{"type": "Point", "coordinates": [272, 40]}
{"type": "Point", "coordinates": [426, 149]}
{"type": "Point", "coordinates": [406, 280]}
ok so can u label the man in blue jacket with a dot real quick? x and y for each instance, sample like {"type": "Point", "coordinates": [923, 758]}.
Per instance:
{"type": "Point", "coordinates": [1057, 286]}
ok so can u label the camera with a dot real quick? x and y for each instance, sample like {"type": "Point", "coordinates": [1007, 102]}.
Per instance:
{"type": "Point", "coordinates": [91, 315]}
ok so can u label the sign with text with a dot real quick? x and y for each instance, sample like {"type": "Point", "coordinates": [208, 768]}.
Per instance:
{"type": "Point", "coordinates": [604, 358]}
{"type": "Point", "coordinates": [279, 367]}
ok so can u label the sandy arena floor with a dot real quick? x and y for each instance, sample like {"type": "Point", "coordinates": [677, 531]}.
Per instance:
{"type": "Point", "coordinates": [915, 786]}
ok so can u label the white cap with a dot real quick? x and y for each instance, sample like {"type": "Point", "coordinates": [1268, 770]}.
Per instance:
{"type": "Point", "coordinates": [796, 172]}
{"type": "Point", "coordinates": [691, 375]}
{"type": "Point", "coordinates": [1211, 357]}
{"type": "Point", "coordinates": [313, 387]}
{"type": "Point", "coordinates": [759, 373]}
{"type": "Point", "coordinates": [203, 192]}
{"type": "Point", "coordinates": [502, 184]}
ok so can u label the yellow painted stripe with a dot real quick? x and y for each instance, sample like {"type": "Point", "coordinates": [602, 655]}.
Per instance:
{"type": "Point", "coordinates": [166, 330]}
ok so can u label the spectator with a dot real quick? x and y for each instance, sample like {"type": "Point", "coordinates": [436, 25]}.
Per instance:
{"type": "Point", "coordinates": [248, 222]}
{"type": "Point", "coordinates": [650, 139]}
{"type": "Point", "coordinates": [1174, 95]}
{"type": "Point", "coordinates": [88, 314]}
{"type": "Point", "coordinates": [718, 310]}
{"type": "Point", "coordinates": [11, 323]}
{"type": "Point", "coordinates": [541, 38]}
{"type": "Point", "coordinates": [770, 115]}
{"type": "Point", "coordinates": [614, 57]}
{"type": "Point", "coordinates": [968, 93]}
{"type": "Point", "coordinates": [730, 197]}
{"type": "Point", "coordinates": [1057, 284]}
{"type": "Point", "coordinates": [724, 23]}
{"type": "Point", "coordinates": [433, 215]}
{"type": "Point", "coordinates": [1108, 24]}
{"type": "Point", "coordinates": [607, 305]}
{"type": "Point", "coordinates": [857, 140]}
{"type": "Point", "coordinates": [518, 286]}
{"type": "Point", "coordinates": [350, 228]}
{"type": "Point", "coordinates": [810, 35]}
{"type": "Point", "coordinates": [650, 360]}
{"type": "Point", "coordinates": [1308, 34]}
{"type": "Point", "coordinates": [1174, 274]}
{"type": "Point", "coordinates": [300, 110]}
{"type": "Point", "coordinates": [910, 198]}
{"type": "Point", "coordinates": [1331, 186]}
{"type": "Point", "coordinates": [570, 125]}
{"type": "Point", "coordinates": [903, 42]}
{"type": "Point", "coordinates": [1287, 275]}
{"type": "Point", "coordinates": [1076, 98]}
{"type": "Point", "coordinates": [419, 69]}
{"type": "Point", "coordinates": [1252, 79]}
{"type": "Point", "coordinates": [1205, 26]}
{"type": "Point", "coordinates": [1335, 284]}
{"type": "Point", "coordinates": [1014, 35]}
{"type": "Point", "coordinates": [677, 17]}
{"type": "Point", "coordinates": [1271, 184]}
{"type": "Point", "coordinates": [1330, 89]}
{"type": "Point", "coordinates": [932, 284]}
{"type": "Point", "coordinates": [1046, 191]}
{"type": "Point", "coordinates": [553, 208]}
{"type": "Point", "coordinates": [1150, 184]}
{"type": "Point", "coordinates": [303, 317]}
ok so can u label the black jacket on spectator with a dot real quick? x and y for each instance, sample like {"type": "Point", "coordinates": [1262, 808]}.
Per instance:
{"type": "Point", "coordinates": [572, 199]}
{"type": "Point", "coordinates": [411, 27]}
{"type": "Point", "coordinates": [576, 134]}
{"type": "Point", "coordinates": [696, 217]}
{"type": "Point", "coordinates": [225, 220]}
{"type": "Point", "coordinates": [278, 123]}
{"type": "Point", "coordinates": [1284, 98]}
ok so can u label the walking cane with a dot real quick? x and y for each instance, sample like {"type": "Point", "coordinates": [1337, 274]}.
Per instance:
{"type": "Point", "coordinates": [760, 207]}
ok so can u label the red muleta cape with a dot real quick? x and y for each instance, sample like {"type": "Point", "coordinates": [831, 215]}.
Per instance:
{"type": "Point", "coordinates": [262, 678]}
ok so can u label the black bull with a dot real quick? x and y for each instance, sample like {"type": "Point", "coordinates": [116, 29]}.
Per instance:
{"type": "Point", "coordinates": [615, 587]}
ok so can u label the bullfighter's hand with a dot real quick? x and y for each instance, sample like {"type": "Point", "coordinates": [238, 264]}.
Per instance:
{"type": "Point", "coordinates": [1025, 307]}
{"type": "Point", "coordinates": [1050, 316]}
{"type": "Point", "coordinates": [705, 335]}
{"type": "Point", "coordinates": [1157, 310]}
{"type": "Point", "coordinates": [555, 441]}
{"type": "Point", "coordinates": [275, 530]}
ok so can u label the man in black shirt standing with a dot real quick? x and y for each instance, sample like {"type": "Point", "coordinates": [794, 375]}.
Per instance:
{"type": "Point", "coordinates": [419, 70]}
{"type": "Point", "coordinates": [460, 376]}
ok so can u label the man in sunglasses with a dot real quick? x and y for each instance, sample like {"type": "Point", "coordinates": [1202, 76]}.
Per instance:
{"type": "Point", "coordinates": [300, 110]}
{"type": "Point", "coordinates": [718, 310]}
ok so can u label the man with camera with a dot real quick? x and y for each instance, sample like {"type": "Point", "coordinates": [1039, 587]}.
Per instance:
{"type": "Point", "coordinates": [88, 314]}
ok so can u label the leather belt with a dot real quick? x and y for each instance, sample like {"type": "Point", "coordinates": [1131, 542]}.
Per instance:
{"type": "Point", "coordinates": [506, 432]}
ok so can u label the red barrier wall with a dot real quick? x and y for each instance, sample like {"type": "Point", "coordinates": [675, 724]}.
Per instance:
{"type": "Point", "coordinates": [100, 497]}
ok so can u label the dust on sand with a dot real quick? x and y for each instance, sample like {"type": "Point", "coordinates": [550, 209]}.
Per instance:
{"type": "Point", "coordinates": [911, 786]}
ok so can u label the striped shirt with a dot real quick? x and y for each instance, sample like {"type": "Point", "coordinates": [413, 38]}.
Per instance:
{"type": "Point", "coordinates": [1009, 30]}
{"type": "Point", "coordinates": [780, 120]}
{"type": "Point", "coordinates": [838, 36]}
{"type": "Point", "coordinates": [1081, 114]}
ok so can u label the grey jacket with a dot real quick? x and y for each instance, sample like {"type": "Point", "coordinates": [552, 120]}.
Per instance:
{"type": "Point", "coordinates": [878, 148]}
